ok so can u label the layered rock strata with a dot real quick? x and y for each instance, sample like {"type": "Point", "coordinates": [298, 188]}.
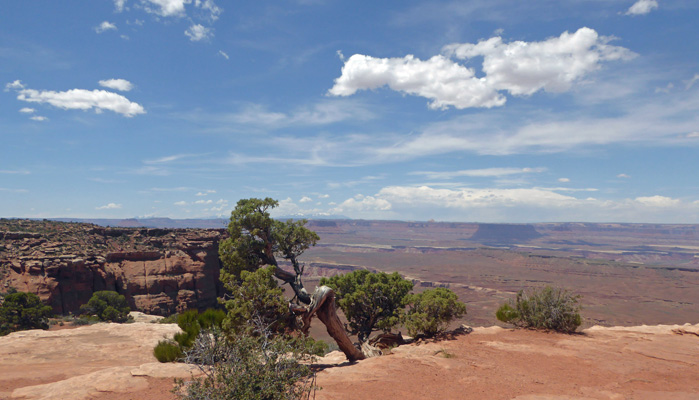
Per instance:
{"type": "Point", "coordinates": [160, 271]}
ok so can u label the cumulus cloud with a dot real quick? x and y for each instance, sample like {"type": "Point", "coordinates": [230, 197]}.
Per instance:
{"type": "Point", "coordinates": [205, 193]}
{"type": "Point", "coordinates": [176, 8]}
{"type": "Point", "coordinates": [361, 203]}
{"type": "Point", "coordinates": [512, 205]}
{"type": "Point", "coordinates": [642, 7]}
{"type": "Point", "coordinates": [27, 110]}
{"type": "Point", "coordinates": [461, 198]}
{"type": "Point", "coordinates": [204, 201]}
{"type": "Point", "coordinates": [38, 118]}
{"type": "Point", "coordinates": [198, 32]}
{"type": "Point", "coordinates": [520, 68]}
{"type": "Point", "coordinates": [105, 26]}
{"type": "Point", "coordinates": [305, 199]}
{"type": "Point", "coordinates": [78, 99]}
{"type": "Point", "coordinates": [181, 203]}
{"type": "Point", "coordinates": [564, 180]}
{"type": "Point", "coordinates": [439, 79]}
{"type": "Point", "coordinates": [623, 176]}
{"type": "Point", "coordinates": [110, 206]}
{"type": "Point", "coordinates": [658, 201]}
{"type": "Point", "coordinates": [117, 84]}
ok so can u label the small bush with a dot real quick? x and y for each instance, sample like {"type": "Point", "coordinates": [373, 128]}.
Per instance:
{"type": "Point", "coordinates": [192, 323]}
{"type": "Point", "coordinates": [21, 311]}
{"type": "Point", "coordinates": [431, 311]}
{"type": "Point", "coordinates": [547, 308]}
{"type": "Point", "coordinates": [107, 306]}
{"type": "Point", "coordinates": [370, 300]}
{"type": "Point", "coordinates": [167, 351]}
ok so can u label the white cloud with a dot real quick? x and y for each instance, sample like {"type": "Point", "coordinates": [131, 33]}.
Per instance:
{"type": "Point", "coordinates": [38, 118]}
{"type": "Point", "coordinates": [693, 135]}
{"type": "Point", "coordinates": [688, 84]}
{"type": "Point", "coordinates": [79, 99]}
{"type": "Point", "coordinates": [520, 68]}
{"type": "Point", "coordinates": [512, 205]}
{"type": "Point", "coordinates": [119, 5]}
{"type": "Point", "coordinates": [205, 193]}
{"type": "Point", "coordinates": [305, 199]}
{"type": "Point", "coordinates": [466, 198]}
{"type": "Point", "coordinates": [105, 26]}
{"type": "Point", "coordinates": [360, 203]}
{"type": "Point", "coordinates": [223, 54]}
{"type": "Point", "coordinates": [117, 84]}
{"type": "Point", "coordinates": [167, 8]}
{"type": "Point", "coordinates": [198, 32]}
{"type": "Point", "coordinates": [204, 201]}
{"type": "Point", "coordinates": [642, 7]}
{"type": "Point", "coordinates": [481, 173]}
{"type": "Point", "coordinates": [323, 113]}
{"type": "Point", "coordinates": [553, 65]}
{"type": "Point", "coordinates": [439, 79]}
{"type": "Point", "coordinates": [564, 180]}
{"type": "Point", "coordinates": [667, 89]}
{"type": "Point", "coordinates": [15, 85]}
{"type": "Point", "coordinates": [14, 171]}
{"type": "Point", "coordinates": [623, 176]}
{"type": "Point", "coordinates": [323, 196]}
{"type": "Point", "coordinates": [181, 203]}
{"type": "Point", "coordinates": [27, 110]}
{"type": "Point", "coordinates": [110, 206]}
{"type": "Point", "coordinates": [658, 201]}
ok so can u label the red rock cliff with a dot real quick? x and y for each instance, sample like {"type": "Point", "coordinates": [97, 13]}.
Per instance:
{"type": "Point", "coordinates": [160, 271]}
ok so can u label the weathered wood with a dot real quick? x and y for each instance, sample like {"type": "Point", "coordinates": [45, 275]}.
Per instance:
{"type": "Point", "coordinates": [323, 305]}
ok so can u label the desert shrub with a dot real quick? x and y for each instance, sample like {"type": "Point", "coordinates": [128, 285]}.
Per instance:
{"type": "Point", "coordinates": [167, 351]}
{"type": "Point", "coordinates": [370, 300]}
{"type": "Point", "coordinates": [249, 367]}
{"type": "Point", "coordinates": [431, 311]}
{"type": "Point", "coordinates": [546, 308]}
{"type": "Point", "coordinates": [21, 311]}
{"type": "Point", "coordinates": [192, 324]}
{"type": "Point", "coordinates": [107, 306]}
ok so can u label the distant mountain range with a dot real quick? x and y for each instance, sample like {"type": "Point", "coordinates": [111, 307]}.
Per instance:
{"type": "Point", "coordinates": [200, 223]}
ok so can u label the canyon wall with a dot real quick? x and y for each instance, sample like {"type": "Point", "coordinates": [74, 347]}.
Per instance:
{"type": "Point", "coordinates": [159, 271]}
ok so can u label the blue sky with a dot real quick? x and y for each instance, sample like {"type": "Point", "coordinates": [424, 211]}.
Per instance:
{"type": "Point", "coordinates": [483, 110]}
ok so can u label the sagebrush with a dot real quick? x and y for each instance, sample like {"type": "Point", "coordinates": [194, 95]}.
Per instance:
{"type": "Point", "coordinates": [547, 308]}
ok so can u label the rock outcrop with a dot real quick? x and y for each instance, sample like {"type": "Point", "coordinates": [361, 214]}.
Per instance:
{"type": "Point", "coordinates": [160, 271]}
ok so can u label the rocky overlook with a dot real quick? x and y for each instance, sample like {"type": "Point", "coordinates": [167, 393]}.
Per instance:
{"type": "Point", "coordinates": [160, 271]}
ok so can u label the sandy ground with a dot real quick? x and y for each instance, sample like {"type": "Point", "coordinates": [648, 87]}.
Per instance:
{"type": "Point", "coordinates": [115, 362]}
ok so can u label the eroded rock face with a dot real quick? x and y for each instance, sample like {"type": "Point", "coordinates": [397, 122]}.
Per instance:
{"type": "Point", "coordinates": [160, 271]}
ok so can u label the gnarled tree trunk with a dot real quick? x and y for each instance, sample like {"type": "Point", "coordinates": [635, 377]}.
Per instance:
{"type": "Point", "coordinates": [323, 306]}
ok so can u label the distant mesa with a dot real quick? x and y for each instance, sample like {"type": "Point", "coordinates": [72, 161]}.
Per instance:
{"type": "Point", "coordinates": [504, 233]}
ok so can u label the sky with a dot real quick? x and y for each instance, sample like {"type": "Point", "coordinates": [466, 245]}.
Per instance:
{"type": "Point", "coordinates": [474, 111]}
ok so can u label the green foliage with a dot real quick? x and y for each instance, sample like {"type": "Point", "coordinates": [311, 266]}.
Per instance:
{"type": "Point", "coordinates": [370, 300]}
{"type": "Point", "coordinates": [21, 311]}
{"type": "Point", "coordinates": [167, 351]}
{"type": "Point", "coordinates": [257, 297]}
{"type": "Point", "coordinates": [255, 238]}
{"type": "Point", "coordinates": [192, 324]}
{"type": "Point", "coordinates": [107, 306]}
{"type": "Point", "coordinates": [431, 311]}
{"type": "Point", "coordinates": [547, 308]}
